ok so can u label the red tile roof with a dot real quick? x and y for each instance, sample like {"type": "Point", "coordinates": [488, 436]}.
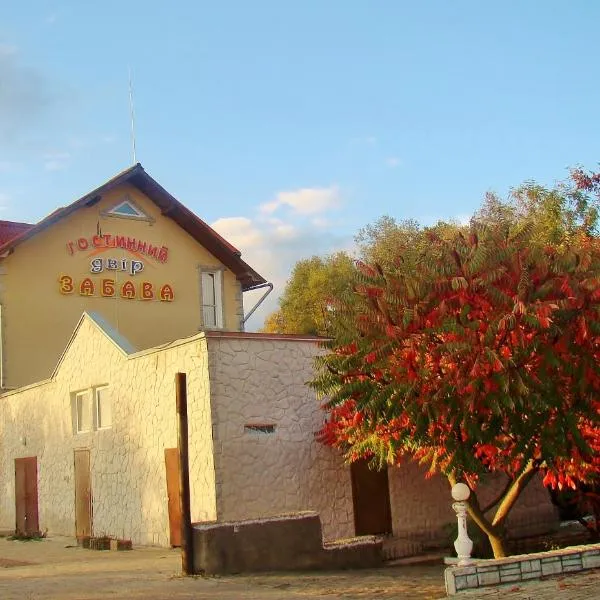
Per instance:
{"type": "Point", "coordinates": [170, 207]}
{"type": "Point", "coordinates": [11, 229]}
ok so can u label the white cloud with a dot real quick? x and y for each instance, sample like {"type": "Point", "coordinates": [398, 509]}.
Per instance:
{"type": "Point", "coordinates": [239, 231]}
{"type": "Point", "coordinates": [305, 201]}
{"type": "Point", "coordinates": [272, 246]}
{"type": "Point", "coordinates": [56, 161]}
{"type": "Point", "coordinates": [393, 162]}
{"type": "Point", "coordinates": [320, 222]}
{"type": "Point", "coordinates": [463, 219]}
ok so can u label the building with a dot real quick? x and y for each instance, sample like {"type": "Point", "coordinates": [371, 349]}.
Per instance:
{"type": "Point", "coordinates": [127, 250]}
{"type": "Point", "coordinates": [103, 302]}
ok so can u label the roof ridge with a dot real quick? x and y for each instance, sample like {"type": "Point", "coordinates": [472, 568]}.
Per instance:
{"type": "Point", "coordinates": [170, 207]}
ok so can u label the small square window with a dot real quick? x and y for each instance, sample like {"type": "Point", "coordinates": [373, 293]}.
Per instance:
{"type": "Point", "coordinates": [83, 411]}
{"type": "Point", "coordinates": [103, 408]}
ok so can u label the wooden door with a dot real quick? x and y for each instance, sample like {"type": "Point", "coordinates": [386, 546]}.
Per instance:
{"type": "Point", "coordinates": [26, 496]}
{"type": "Point", "coordinates": [371, 499]}
{"type": "Point", "coordinates": [83, 494]}
{"type": "Point", "coordinates": [172, 470]}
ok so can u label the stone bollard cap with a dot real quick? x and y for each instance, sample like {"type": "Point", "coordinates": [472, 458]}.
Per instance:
{"type": "Point", "coordinates": [460, 492]}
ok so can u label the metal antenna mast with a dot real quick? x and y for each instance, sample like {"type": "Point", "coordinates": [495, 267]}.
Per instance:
{"type": "Point", "coordinates": [132, 112]}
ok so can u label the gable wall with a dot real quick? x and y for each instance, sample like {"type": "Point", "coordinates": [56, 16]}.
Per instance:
{"type": "Point", "coordinates": [127, 461]}
{"type": "Point", "coordinates": [256, 381]}
{"type": "Point", "coordinates": [37, 319]}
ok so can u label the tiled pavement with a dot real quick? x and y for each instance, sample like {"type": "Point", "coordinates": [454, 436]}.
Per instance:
{"type": "Point", "coordinates": [53, 569]}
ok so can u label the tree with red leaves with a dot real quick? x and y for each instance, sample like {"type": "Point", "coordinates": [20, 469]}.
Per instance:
{"type": "Point", "coordinates": [484, 359]}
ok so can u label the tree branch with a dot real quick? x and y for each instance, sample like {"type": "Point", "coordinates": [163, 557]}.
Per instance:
{"type": "Point", "coordinates": [513, 493]}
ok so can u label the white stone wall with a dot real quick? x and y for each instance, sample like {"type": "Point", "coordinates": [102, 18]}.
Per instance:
{"type": "Point", "coordinates": [421, 508]}
{"type": "Point", "coordinates": [127, 461]}
{"type": "Point", "coordinates": [262, 381]}
{"type": "Point", "coordinates": [234, 474]}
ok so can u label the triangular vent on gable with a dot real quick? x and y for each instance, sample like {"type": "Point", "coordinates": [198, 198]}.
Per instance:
{"type": "Point", "coordinates": [127, 209]}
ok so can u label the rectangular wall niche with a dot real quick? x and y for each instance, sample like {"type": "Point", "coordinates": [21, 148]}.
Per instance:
{"type": "Point", "coordinates": [259, 428]}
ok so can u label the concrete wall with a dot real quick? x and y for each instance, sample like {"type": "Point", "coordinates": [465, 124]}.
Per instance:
{"type": "Point", "coordinates": [261, 380]}
{"type": "Point", "coordinates": [29, 287]}
{"type": "Point", "coordinates": [288, 543]}
{"type": "Point", "coordinates": [127, 460]}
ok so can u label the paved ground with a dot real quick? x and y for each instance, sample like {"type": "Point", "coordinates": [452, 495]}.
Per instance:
{"type": "Point", "coordinates": [54, 569]}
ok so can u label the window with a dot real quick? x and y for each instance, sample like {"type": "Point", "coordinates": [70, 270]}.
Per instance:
{"type": "Point", "coordinates": [127, 209]}
{"type": "Point", "coordinates": [212, 304]}
{"type": "Point", "coordinates": [91, 409]}
{"type": "Point", "coordinates": [83, 411]}
{"type": "Point", "coordinates": [103, 408]}
{"type": "Point", "coordinates": [259, 428]}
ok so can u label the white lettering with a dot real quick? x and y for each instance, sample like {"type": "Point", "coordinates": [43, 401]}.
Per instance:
{"type": "Point", "coordinates": [96, 266]}
{"type": "Point", "coordinates": [137, 266]}
{"type": "Point", "coordinates": [133, 267]}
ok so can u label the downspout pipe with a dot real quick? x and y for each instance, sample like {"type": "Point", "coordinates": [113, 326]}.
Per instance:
{"type": "Point", "coordinates": [260, 300]}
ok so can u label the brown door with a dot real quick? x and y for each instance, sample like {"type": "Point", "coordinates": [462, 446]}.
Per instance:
{"type": "Point", "coordinates": [371, 499]}
{"type": "Point", "coordinates": [26, 496]}
{"type": "Point", "coordinates": [83, 494]}
{"type": "Point", "coordinates": [172, 468]}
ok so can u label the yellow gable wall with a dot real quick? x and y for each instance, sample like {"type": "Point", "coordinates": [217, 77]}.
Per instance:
{"type": "Point", "coordinates": [37, 319]}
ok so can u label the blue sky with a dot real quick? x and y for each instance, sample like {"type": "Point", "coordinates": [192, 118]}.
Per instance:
{"type": "Point", "coordinates": [289, 125]}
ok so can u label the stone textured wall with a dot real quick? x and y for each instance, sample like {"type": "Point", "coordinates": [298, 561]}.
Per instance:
{"type": "Point", "coordinates": [421, 508]}
{"type": "Point", "coordinates": [262, 381]}
{"type": "Point", "coordinates": [127, 461]}
{"type": "Point", "coordinates": [235, 473]}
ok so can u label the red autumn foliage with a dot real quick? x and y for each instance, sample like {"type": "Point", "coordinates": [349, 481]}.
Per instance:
{"type": "Point", "coordinates": [484, 359]}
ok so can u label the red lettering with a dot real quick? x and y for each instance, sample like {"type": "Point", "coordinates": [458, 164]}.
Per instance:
{"type": "Point", "coordinates": [120, 241]}
{"type": "Point", "coordinates": [141, 247]}
{"type": "Point", "coordinates": [70, 248]}
{"type": "Point", "coordinates": [65, 284]}
{"type": "Point", "coordinates": [86, 288]}
{"type": "Point", "coordinates": [152, 251]}
{"type": "Point", "coordinates": [163, 254]}
{"type": "Point", "coordinates": [131, 243]}
{"type": "Point", "coordinates": [146, 291]}
{"type": "Point", "coordinates": [166, 293]}
{"type": "Point", "coordinates": [82, 244]}
{"type": "Point", "coordinates": [108, 241]}
{"type": "Point", "coordinates": [108, 288]}
{"type": "Point", "coordinates": [128, 290]}
{"type": "Point", "coordinates": [97, 241]}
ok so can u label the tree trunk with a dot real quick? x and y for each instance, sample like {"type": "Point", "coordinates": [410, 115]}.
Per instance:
{"type": "Point", "coordinates": [497, 543]}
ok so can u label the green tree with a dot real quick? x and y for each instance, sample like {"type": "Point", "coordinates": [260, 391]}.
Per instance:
{"type": "Point", "coordinates": [306, 303]}
{"type": "Point", "coordinates": [560, 216]}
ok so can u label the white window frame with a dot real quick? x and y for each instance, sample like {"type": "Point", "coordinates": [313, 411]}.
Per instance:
{"type": "Point", "coordinates": [97, 412]}
{"type": "Point", "coordinates": [91, 394]}
{"type": "Point", "coordinates": [77, 424]}
{"type": "Point", "coordinates": [139, 215]}
{"type": "Point", "coordinates": [217, 275]}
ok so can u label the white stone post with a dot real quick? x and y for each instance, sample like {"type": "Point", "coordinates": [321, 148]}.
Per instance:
{"type": "Point", "coordinates": [463, 544]}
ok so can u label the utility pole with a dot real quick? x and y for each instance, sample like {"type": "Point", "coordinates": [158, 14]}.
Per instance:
{"type": "Point", "coordinates": [187, 546]}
